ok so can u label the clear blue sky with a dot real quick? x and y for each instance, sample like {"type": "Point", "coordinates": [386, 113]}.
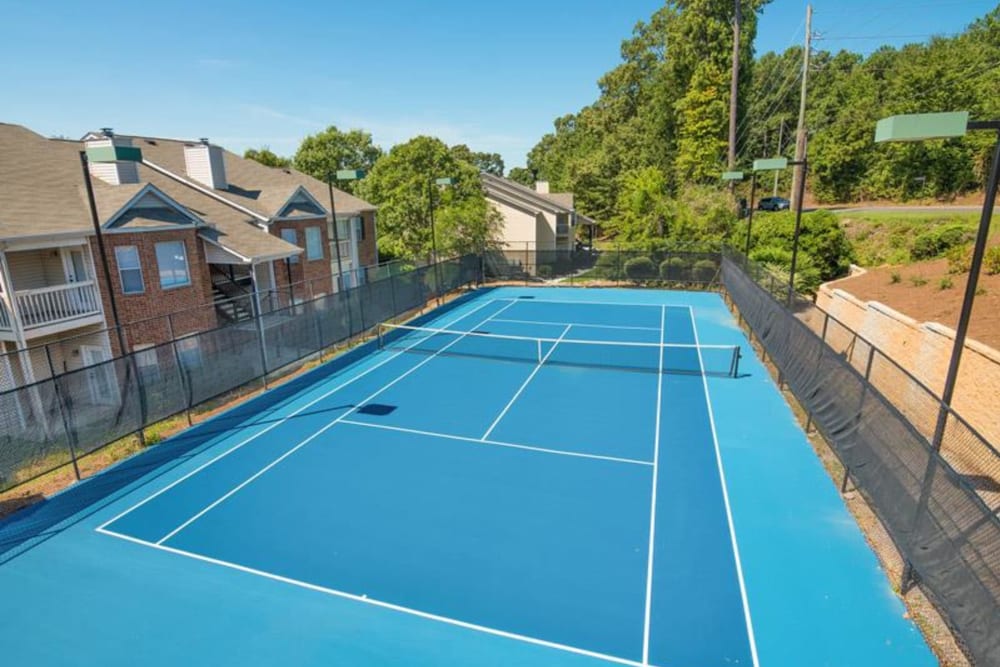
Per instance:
{"type": "Point", "coordinates": [492, 75]}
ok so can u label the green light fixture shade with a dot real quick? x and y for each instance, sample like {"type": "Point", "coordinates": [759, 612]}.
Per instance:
{"type": "Point", "coordinates": [771, 164]}
{"type": "Point", "coordinates": [114, 154]}
{"type": "Point", "coordinates": [350, 174]}
{"type": "Point", "coordinates": [445, 181]}
{"type": "Point", "coordinates": [732, 175]}
{"type": "Point", "coordinates": [920, 126]}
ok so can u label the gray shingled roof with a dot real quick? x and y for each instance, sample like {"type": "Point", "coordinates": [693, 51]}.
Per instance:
{"type": "Point", "coordinates": [518, 195]}
{"type": "Point", "coordinates": [263, 189]}
{"type": "Point", "coordinates": [42, 195]}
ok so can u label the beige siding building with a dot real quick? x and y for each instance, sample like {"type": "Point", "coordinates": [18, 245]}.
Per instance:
{"type": "Point", "coordinates": [533, 219]}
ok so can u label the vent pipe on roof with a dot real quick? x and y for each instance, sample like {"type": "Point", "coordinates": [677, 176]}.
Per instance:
{"type": "Point", "coordinates": [206, 164]}
{"type": "Point", "coordinates": [115, 173]}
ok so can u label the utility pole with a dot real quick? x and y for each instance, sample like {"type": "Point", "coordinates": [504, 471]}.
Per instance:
{"type": "Point", "coordinates": [777, 153]}
{"type": "Point", "coordinates": [801, 139]}
{"type": "Point", "coordinates": [734, 88]}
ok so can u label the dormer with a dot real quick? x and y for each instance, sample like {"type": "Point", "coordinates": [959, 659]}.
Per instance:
{"type": "Point", "coordinates": [115, 173]}
{"type": "Point", "coordinates": [205, 164]}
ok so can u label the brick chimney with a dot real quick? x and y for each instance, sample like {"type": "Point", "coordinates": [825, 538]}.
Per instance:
{"type": "Point", "coordinates": [542, 187]}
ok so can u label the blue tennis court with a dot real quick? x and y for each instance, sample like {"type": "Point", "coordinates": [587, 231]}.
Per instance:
{"type": "Point", "coordinates": [531, 476]}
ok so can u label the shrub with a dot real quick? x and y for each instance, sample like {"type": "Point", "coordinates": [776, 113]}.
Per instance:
{"type": "Point", "coordinates": [640, 268]}
{"type": "Point", "coordinates": [608, 265]}
{"type": "Point", "coordinates": [705, 270]}
{"type": "Point", "coordinates": [918, 281]}
{"type": "Point", "coordinates": [939, 240]}
{"type": "Point", "coordinates": [895, 277]}
{"type": "Point", "coordinates": [959, 259]}
{"type": "Point", "coordinates": [672, 268]}
{"type": "Point", "coordinates": [544, 271]}
{"type": "Point", "coordinates": [945, 283]}
{"type": "Point", "coordinates": [991, 261]}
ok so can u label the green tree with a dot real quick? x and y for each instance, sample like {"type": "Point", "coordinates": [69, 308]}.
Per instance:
{"type": "Point", "coordinates": [323, 153]}
{"type": "Point", "coordinates": [702, 113]}
{"type": "Point", "coordinates": [265, 156]}
{"type": "Point", "coordinates": [401, 184]}
{"type": "Point", "coordinates": [491, 163]}
{"type": "Point", "coordinates": [522, 175]}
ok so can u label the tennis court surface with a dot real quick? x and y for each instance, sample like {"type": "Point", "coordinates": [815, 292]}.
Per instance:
{"type": "Point", "coordinates": [529, 476]}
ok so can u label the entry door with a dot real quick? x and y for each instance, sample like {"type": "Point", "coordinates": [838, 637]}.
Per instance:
{"type": "Point", "coordinates": [75, 267]}
{"type": "Point", "coordinates": [101, 378]}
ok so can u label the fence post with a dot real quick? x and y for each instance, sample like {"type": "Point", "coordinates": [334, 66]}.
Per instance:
{"type": "Point", "coordinates": [70, 435]}
{"type": "Point", "coordinates": [185, 381]}
{"type": "Point", "coordinates": [259, 321]}
{"type": "Point", "coordinates": [319, 328]}
{"type": "Point", "coordinates": [392, 292]}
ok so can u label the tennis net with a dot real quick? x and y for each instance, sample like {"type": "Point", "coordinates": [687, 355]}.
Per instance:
{"type": "Point", "coordinates": [716, 360]}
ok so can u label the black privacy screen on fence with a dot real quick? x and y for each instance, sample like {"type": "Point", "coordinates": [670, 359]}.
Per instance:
{"type": "Point", "coordinates": [52, 423]}
{"type": "Point", "coordinates": [939, 523]}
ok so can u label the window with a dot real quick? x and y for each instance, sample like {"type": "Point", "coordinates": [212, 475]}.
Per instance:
{"type": "Point", "coordinates": [129, 269]}
{"type": "Point", "coordinates": [314, 243]}
{"type": "Point", "coordinates": [171, 258]}
{"type": "Point", "coordinates": [359, 226]}
{"type": "Point", "coordinates": [292, 237]}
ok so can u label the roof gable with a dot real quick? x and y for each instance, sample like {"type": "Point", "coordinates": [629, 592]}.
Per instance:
{"type": "Point", "coordinates": [150, 209]}
{"type": "Point", "coordinates": [301, 205]}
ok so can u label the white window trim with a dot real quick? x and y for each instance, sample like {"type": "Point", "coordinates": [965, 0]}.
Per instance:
{"type": "Point", "coordinates": [138, 261]}
{"type": "Point", "coordinates": [294, 259]}
{"type": "Point", "coordinates": [187, 266]}
{"type": "Point", "coordinates": [316, 247]}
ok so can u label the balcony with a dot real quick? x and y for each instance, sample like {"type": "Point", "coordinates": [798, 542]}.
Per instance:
{"type": "Point", "coordinates": [54, 309]}
{"type": "Point", "coordinates": [345, 249]}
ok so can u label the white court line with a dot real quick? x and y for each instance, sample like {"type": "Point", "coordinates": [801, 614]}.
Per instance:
{"type": "Point", "coordinates": [725, 500]}
{"type": "Point", "coordinates": [280, 422]}
{"type": "Point", "coordinates": [526, 382]}
{"type": "Point", "coordinates": [499, 443]}
{"type": "Point", "coordinates": [596, 303]}
{"type": "Point", "coordinates": [652, 503]}
{"type": "Point", "coordinates": [576, 324]}
{"type": "Point", "coordinates": [378, 603]}
{"type": "Point", "coordinates": [309, 439]}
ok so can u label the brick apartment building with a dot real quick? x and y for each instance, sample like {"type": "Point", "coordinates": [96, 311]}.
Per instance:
{"type": "Point", "coordinates": [188, 225]}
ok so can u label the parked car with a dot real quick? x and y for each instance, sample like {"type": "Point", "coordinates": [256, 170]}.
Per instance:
{"type": "Point", "coordinates": [773, 204]}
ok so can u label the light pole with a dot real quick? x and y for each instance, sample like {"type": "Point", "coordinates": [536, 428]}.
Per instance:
{"type": "Point", "coordinates": [340, 175]}
{"type": "Point", "coordinates": [110, 153]}
{"type": "Point", "coordinates": [778, 164]}
{"type": "Point", "coordinates": [918, 127]}
{"type": "Point", "coordinates": [434, 252]}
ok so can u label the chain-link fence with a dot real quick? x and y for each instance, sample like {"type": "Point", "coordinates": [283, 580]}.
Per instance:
{"type": "Point", "coordinates": [937, 503]}
{"type": "Point", "coordinates": [679, 269]}
{"type": "Point", "coordinates": [51, 423]}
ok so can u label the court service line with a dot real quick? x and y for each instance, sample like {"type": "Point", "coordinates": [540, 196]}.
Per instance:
{"type": "Point", "coordinates": [500, 443]}
{"type": "Point", "coordinates": [526, 382]}
{"type": "Point", "coordinates": [725, 499]}
{"type": "Point", "coordinates": [652, 503]}
{"type": "Point", "coordinates": [595, 303]}
{"type": "Point", "coordinates": [233, 491]}
{"type": "Point", "coordinates": [377, 603]}
{"type": "Point", "coordinates": [278, 423]}
{"type": "Point", "coordinates": [576, 324]}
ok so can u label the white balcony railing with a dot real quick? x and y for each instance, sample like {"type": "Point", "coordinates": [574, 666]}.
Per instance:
{"type": "Point", "coordinates": [61, 303]}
